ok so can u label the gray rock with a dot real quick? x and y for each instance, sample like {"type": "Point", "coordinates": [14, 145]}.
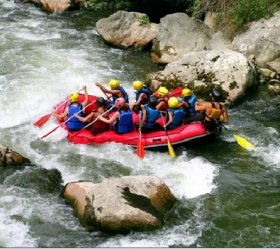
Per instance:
{"type": "Point", "coordinates": [262, 39]}
{"type": "Point", "coordinates": [230, 70]}
{"type": "Point", "coordinates": [127, 29]}
{"type": "Point", "coordinates": [120, 204]}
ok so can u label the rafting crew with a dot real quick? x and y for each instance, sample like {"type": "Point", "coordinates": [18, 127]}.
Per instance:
{"type": "Point", "coordinates": [148, 117]}
{"type": "Point", "coordinates": [74, 124]}
{"type": "Point", "coordinates": [122, 119]}
{"type": "Point", "coordinates": [142, 96]}
{"type": "Point", "coordinates": [175, 115]}
{"type": "Point", "coordinates": [116, 91]}
{"type": "Point", "coordinates": [98, 126]}
{"type": "Point", "coordinates": [187, 102]}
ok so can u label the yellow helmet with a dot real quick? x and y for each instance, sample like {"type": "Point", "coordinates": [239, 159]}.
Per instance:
{"type": "Point", "coordinates": [186, 92]}
{"type": "Point", "coordinates": [114, 84]}
{"type": "Point", "coordinates": [74, 97]}
{"type": "Point", "coordinates": [173, 102]}
{"type": "Point", "coordinates": [137, 85]}
{"type": "Point", "coordinates": [162, 91]}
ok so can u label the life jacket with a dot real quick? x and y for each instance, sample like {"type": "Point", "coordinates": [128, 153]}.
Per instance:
{"type": "Point", "coordinates": [74, 124]}
{"type": "Point", "coordinates": [99, 126]}
{"type": "Point", "coordinates": [125, 123]}
{"type": "Point", "coordinates": [125, 95]}
{"type": "Point", "coordinates": [147, 92]}
{"type": "Point", "coordinates": [191, 102]}
{"type": "Point", "coordinates": [178, 115]}
{"type": "Point", "coordinates": [215, 112]}
{"type": "Point", "coordinates": [152, 116]}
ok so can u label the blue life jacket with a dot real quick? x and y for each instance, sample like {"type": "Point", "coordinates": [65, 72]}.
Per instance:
{"type": "Point", "coordinates": [178, 116]}
{"type": "Point", "coordinates": [147, 92]}
{"type": "Point", "coordinates": [74, 124]}
{"type": "Point", "coordinates": [152, 116]}
{"type": "Point", "coordinates": [125, 123]}
{"type": "Point", "coordinates": [190, 112]}
{"type": "Point", "coordinates": [124, 94]}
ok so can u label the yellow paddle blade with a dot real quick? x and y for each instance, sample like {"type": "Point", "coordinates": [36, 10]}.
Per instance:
{"type": "Point", "coordinates": [244, 143]}
{"type": "Point", "coordinates": [171, 150]}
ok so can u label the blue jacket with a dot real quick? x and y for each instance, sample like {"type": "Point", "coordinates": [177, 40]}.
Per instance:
{"type": "Point", "coordinates": [178, 116]}
{"type": "Point", "coordinates": [125, 123]}
{"type": "Point", "coordinates": [146, 91]}
{"type": "Point", "coordinates": [124, 94]}
{"type": "Point", "coordinates": [74, 124]}
{"type": "Point", "coordinates": [152, 116]}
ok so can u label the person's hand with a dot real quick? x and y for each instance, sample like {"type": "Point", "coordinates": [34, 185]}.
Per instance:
{"type": "Point", "coordinates": [76, 115]}
{"type": "Point", "coordinates": [139, 129]}
{"type": "Point", "coordinates": [97, 84]}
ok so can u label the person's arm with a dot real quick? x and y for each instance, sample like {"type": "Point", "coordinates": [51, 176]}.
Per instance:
{"type": "Point", "coordinates": [86, 96]}
{"type": "Point", "coordinates": [84, 119]}
{"type": "Point", "coordinates": [161, 106]}
{"type": "Point", "coordinates": [225, 114]}
{"type": "Point", "coordinates": [140, 99]}
{"type": "Point", "coordinates": [170, 119]}
{"type": "Point", "coordinates": [61, 116]}
{"type": "Point", "coordinates": [184, 104]}
{"type": "Point", "coordinates": [110, 120]}
{"type": "Point", "coordinates": [143, 118]}
{"type": "Point", "coordinates": [105, 90]}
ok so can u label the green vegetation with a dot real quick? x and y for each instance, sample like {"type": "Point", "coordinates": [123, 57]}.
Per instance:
{"type": "Point", "coordinates": [107, 5]}
{"type": "Point", "coordinates": [233, 15]}
{"type": "Point", "coordinates": [144, 20]}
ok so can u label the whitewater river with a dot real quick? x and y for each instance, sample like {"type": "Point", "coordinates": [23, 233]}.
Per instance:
{"type": "Point", "coordinates": [228, 197]}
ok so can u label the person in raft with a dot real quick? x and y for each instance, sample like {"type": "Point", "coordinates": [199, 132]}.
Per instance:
{"type": "Point", "coordinates": [142, 97]}
{"type": "Point", "coordinates": [162, 98]}
{"type": "Point", "coordinates": [74, 124]}
{"type": "Point", "coordinates": [187, 102]}
{"type": "Point", "coordinates": [117, 91]}
{"type": "Point", "coordinates": [121, 119]}
{"type": "Point", "coordinates": [98, 126]}
{"type": "Point", "coordinates": [175, 115]}
{"type": "Point", "coordinates": [213, 112]}
{"type": "Point", "coordinates": [149, 116]}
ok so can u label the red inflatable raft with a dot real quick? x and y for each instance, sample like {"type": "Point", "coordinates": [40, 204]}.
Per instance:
{"type": "Point", "coordinates": [178, 136]}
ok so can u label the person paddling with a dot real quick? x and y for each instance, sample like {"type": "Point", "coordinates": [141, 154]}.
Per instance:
{"type": "Point", "coordinates": [74, 124]}
{"type": "Point", "coordinates": [117, 91]}
{"type": "Point", "coordinates": [121, 119]}
{"type": "Point", "coordinates": [142, 96]}
{"type": "Point", "coordinates": [98, 126]}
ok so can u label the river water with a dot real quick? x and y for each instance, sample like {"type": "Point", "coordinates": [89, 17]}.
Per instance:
{"type": "Point", "coordinates": [228, 197]}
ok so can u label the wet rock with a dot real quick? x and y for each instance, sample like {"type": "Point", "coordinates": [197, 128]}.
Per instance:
{"type": "Point", "coordinates": [202, 71]}
{"type": "Point", "coordinates": [8, 157]}
{"type": "Point", "coordinates": [262, 39]}
{"type": "Point", "coordinates": [180, 34]}
{"type": "Point", "coordinates": [127, 30]}
{"type": "Point", "coordinates": [118, 205]}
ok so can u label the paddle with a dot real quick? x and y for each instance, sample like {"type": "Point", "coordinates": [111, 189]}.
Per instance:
{"type": "Point", "coordinates": [41, 121]}
{"type": "Point", "coordinates": [170, 148]}
{"type": "Point", "coordinates": [242, 141]}
{"type": "Point", "coordinates": [140, 147]}
{"type": "Point", "coordinates": [55, 128]}
{"type": "Point", "coordinates": [92, 122]}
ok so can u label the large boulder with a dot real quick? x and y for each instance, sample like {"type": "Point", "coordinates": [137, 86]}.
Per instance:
{"type": "Point", "coordinates": [122, 204]}
{"type": "Point", "coordinates": [263, 41]}
{"type": "Point", "coordinates": [127, 30]}
{"type": "Point", "coordinates": [56, 6]}
{"type": "Point", "coordinates": [180, 34]}
{"type": "Point", "coordinates": [202, 71]}
{"type": "Point", "coordinates": [8, 157]}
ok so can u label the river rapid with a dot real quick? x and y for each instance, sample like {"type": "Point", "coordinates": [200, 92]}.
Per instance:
{"type": "Point", "coordinates": [228, 197]}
